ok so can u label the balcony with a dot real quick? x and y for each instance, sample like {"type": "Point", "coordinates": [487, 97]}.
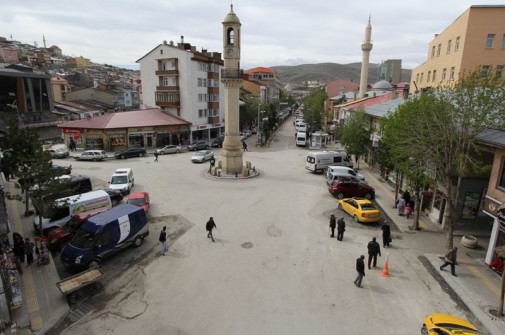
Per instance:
{"type": "Point", "coordinates": [167, 88]}
{"type": "Point", "coordinates": [168, 104]}
{"type": "Point", "coordinates": [167, 72]}
{"type": "Point", "coordinates": [167, 99]}
{"type": "Point", "coordinates": [213, 90]}
{"type": "Point", "coordinates": [232, 74]}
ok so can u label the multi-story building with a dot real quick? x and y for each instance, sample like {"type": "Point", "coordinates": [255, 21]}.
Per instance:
{"type": "Point", "coordinates": [268, 77]}
{"type": "Point", "coordinates": [475, 39]}
{"type": "Point", "coordinates": [390, 70]}
{"type": "Point", "coordinates": [186, 83]}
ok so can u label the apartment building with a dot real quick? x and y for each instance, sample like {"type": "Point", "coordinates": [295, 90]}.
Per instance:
{"type": "Point", "coordinates": [476, 38]}
{"type": "Point", "coordinates": [185, 83]}
{"type": "Point", "coordinates": [268, 78]}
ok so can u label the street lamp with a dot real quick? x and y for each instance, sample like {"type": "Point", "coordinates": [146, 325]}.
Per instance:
{"type": "Point", "coordinates": [14, 105]}
{"type": "Point", "coordinates": [258, 129]}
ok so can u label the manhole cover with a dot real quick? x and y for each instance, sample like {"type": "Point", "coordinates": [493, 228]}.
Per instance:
{"type": "Point", "coordinates": [247, 245]}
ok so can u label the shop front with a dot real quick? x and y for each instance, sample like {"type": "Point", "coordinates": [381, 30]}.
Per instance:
{"type": "Point", "coordinates": [72, 135]}
{"type": "Point", "coordinates": [94, 141]}
{"type": "Point", "coordinates": [141, 137]}
{"type": "Point", "coordinates": [495, 210]}
{"type": "Point", "coordinates": [117, 141]}
{"type": "Point", "coordinates": [206, 132]}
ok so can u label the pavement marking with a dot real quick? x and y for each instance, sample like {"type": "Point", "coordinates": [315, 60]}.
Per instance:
{"type": "Point", "coordinates": [30, 298]}
{"type": "Point", "coordinates": [495, 289]}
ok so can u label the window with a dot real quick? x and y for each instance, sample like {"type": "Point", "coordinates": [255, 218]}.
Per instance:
{"type": "Point", "coordinates": [438, 49]}
{"type": "Point", "coordinates": [449, 46]}
{"type": "Point", "coordinates": [444, 74]}
{"type": "Point", "coordinates": [434, 75]}
{"type": "Point", "coordinates": [202, 113]}
{"type": "Point", "coordinates": [161, 52]}
{"type": "Point", "coordinates": [428, 77]}
{"type": "Point", "coordinates": [417, 78]}
{"type": "Point", "coordinates": [422, 78]}
{"type": "Point", "coordinates": [484, 70]}
{"type": "Point", "coordinates": [502, 178]}
{"type": "Point", "coordinates": [456, 47]}
{"type": "Point", "coordinates": [451, 76]}
{"type": "Point", "coordinates": [490, 40]}
{"type": "Point", "coordinates": [168, 81]}
{"type": "Point", "coordinates": [202, 82]}
{"type": "Point", "coordinates": [503, 42]}
{"type": "Point", "coordinates": [202, 97]}
{"type": "Point", "coordinates": [433, 52]}
{"type": "Point", "coordinates": [499, 71]}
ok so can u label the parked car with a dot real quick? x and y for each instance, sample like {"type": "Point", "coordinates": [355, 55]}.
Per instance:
{"type": "Point", "coordinates": [447, 324]}
{"type": "Point", "coordinates": [361, 209]}
{"type": "Point", "coordinates": [140, 199]}
{"type": "Point", "coordinates": [131, 152]}
{"type": "Point", "coordinates": [58, 152]}
{"type": "Point", "coordinates": [243, 136]}
{"type": "Point", "coordinates": [217, 143]}
{"type": "Point", "coordinates": [202, 156]}
{"type": "Point", "coordinates": [115, 196]}
{"type": "Point", "coordinates": [169, 149]}
{"type": "Point", "coordinates": [91, 155]}
{"type": "Point", "coordinates": [350, 188]}
{"type": "Point", "coordinates": [198, 145]}
{"type": "Point", "coordinates": [61, 170]}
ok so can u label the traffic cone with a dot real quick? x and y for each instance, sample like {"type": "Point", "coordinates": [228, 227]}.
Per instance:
{"type": "Point", "coordinates": [385, 270]}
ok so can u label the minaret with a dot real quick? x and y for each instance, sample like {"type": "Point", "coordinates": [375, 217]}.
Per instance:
{"type": "Point", "coordinates": [231, 77]}
{"type": "Point", "coordinates": [44, 39]}
{"type": "Point", "coordinates": [366, 47]}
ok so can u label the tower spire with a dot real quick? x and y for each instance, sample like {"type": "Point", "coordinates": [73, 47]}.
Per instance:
{"type": "Point", "coordinates": [366, 47]}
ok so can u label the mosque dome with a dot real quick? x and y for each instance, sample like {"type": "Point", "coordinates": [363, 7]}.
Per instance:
{"type": "Point", "coordinates": [382, 85]}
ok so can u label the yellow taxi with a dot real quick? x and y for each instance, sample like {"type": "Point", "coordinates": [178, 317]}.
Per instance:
{"type": "Point", "coordinates": [435, 324]}
{"type": "Point", "coordinates": [361, 209]}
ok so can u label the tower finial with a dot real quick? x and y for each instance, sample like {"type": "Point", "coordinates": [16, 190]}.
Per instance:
{"type": "Point", "coordinates": [231, 6]}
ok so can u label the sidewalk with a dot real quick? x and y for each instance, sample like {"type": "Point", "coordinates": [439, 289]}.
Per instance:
{"type": "Point", "coordinates": [44, 306]}
{"type": "Point", "coordinates": [477, 285]}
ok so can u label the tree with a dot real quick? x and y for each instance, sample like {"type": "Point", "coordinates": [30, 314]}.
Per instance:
{"type": "Point", "coordinates": [314, 108]}
{"type": "Point", "coordinates": [355, 134]}
{"type": "Point", "coordinates": [444, 124]}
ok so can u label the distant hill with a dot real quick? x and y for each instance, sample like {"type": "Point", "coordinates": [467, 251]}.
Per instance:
{"type": "Point", "coordinates": [326, 72]}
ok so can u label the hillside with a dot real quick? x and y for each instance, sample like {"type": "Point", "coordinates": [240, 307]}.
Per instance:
{"type": "Point", "coordinates": [326, 72]}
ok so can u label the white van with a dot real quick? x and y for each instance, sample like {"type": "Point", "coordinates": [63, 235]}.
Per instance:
{"type": "Point", "coordinates": [301, 127]}
{"type": "Point", "coordinates": [301, 139]}
{"type": "Point", "coordinates": [344, 170]}
{"type": "Point", "coordinates": [65, 208]}
{"type": "Point", "coordinates": [319, 161]}
{"type": "Point", "coordinates": [122, 180]}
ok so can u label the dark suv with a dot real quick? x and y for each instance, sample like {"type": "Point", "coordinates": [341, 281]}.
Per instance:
{"type": "Point", "coordinates": [198, 145]}
{"type": "Point", "coordinates": [348, 189]}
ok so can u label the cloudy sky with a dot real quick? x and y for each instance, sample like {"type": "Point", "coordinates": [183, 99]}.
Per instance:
{"type": "Point", "coordinates": [274, 32]}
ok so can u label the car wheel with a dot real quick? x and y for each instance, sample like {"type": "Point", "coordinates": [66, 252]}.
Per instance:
{"type": "Point", "coordinates": [340, 195]}
{"type": "Point", "coordinates": [76, 296]}
{"type": "Point", "coordinates": [424, 330]}
{"type": "Point", "coordinates": [114, 202]}
{"type": "Point", "coordinates": [122, 156]}
{"type": "Point", "coordinates": [77, 158]}
{"type": "Point", "coordinates": [368, 196]}
{"type": "Point", "coordinates": [138, 241]}
{"type": "Point", "coordinates": [355, 217]}
{"type": "Point", "coordinates": [94, 159]}
{"type": "Point", "coordinates": [94, 263]}
{"type": "Point", "coordinates": [178, 151]}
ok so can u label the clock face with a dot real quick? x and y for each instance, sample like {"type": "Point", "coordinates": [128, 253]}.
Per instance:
{"type": "Point", "coordinates": [229, 52]}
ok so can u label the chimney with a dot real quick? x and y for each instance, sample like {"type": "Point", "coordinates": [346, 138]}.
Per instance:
{"type": "Point", "coordinates": [182, 39]}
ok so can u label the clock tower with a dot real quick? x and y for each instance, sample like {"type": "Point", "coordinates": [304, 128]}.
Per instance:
{"type": "Point", "coordinates": [231, 77]}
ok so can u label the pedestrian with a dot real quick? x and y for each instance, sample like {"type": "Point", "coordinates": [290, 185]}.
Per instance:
{"type": "Point", "coordinates": [360, 268]}
{"type": "Point", "coordinates": [163, 240]}
{"type": "Point", "coordinates": [340, 229]}
{"type": "Point", "coordinates": [333, 225]}
{"type": "Point", "coordinates": [400, 205]}
{"type": "Point", "coordinates": [408, 209]}
{"type": "Point", "coordinates": [386, 234]}
{"type": "Point", "coordinates": [374, 249]}
{"type": "Point", "coordinates": [156, 156]}
{"type": "Point", "coordinates": [29, 251]}
{"type": "Point", "coordinates": [450, 259]}
{"type": "Point", "coordinates": [209, 226]}
{"type": "Point", "coordinates": [244, 146]}
{"type": "Point", "coordinates": [19, 247]}
{"type": "Point", "coordinates": [406, 196]}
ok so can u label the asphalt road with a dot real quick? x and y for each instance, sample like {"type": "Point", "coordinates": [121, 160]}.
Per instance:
{"type": "Point", "coordinates": [273, 268]}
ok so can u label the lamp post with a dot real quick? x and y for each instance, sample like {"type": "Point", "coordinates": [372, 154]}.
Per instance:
{"type": "Point", "coordinates": [258, 129]}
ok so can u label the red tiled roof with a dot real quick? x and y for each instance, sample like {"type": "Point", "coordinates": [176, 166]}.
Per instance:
{"type": "Point", "coordinates": [366, 102]}
{"type": "Point", "coordinates": [261, 70]}
{"type": "Point", "coordinates": [139, 118]}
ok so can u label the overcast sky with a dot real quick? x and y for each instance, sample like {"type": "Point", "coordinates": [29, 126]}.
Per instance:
{"type": "Point", "coordinates": [274, 32]}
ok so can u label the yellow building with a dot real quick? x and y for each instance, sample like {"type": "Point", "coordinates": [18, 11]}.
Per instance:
{"type": "Point", "coordinates": [476, 38]}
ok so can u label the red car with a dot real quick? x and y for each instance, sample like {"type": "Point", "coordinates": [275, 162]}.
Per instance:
{"type": "Point", "coordinates": [140, 199]}
{"type": "Point", "coordinates": [348, 189]}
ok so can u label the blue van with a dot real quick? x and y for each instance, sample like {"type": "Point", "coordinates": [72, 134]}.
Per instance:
{"type": "Point", "coordinates": [104, 235]}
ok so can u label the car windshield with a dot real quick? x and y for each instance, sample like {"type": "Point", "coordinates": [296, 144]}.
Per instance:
{"type": "Point", "coordinates": [83, 239]}
{"type": "Point", "coordinates": [200, 154]}
{"type": "Point", "coordinates": [368, 207]}
{"type": "Point", "coordinates": [136, 202]}
{"type": "Point", "coordinates": [116, 180]}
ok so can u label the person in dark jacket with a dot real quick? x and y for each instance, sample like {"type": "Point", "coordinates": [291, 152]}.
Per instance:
{"type": "Point", "coordinates": [340, 229]}
{"type": "Point", "coordinates": [450, 259]}
{"type": "Point", "coordinates": [386, 234]}
{"type": "Point", "coordinates": [360, 268]}
{"type": "Point", "coordinates": [209, 226]}
{"type": "Point", "coordinates": [163, 240]}
{"type": "Point", "coordinates": [19, 247]}
{"type": "Point", "coordinates": [374, 249]}
{"type": "Point", "coordinates": [29, 246]}
{"type": "Point", "coordinates": [333, 224]}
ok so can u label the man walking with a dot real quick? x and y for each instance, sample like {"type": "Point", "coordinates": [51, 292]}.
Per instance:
{"type": "Point", "coordinates": [450, 259]}
{"type": "Point", "coordinates": [360, 268]}
{"type": "Point", "coordinates": [29, 251]}
{"type": "Point", "coordinates": [209, 226]}
{"type": "Point", "coordinates": [386, 234]}
{"type": "Point", "coordinates": [156, 156]}
{"type": "Point", "coordinates": [340, 229]}
{"type": "Point", "coordinates": [244, 146]}
{"type": "Point", "coordinates": [333, 225]}
{"type": "Point", "coordinates": [163, 240]}
{"type": "Point", "coordinates": [374, 249]}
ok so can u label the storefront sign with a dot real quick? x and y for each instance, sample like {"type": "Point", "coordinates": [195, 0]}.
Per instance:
{"type": "Point", "coordinates": [217, 125]}
{"type": "Point", "coordinates": [71, 130]}
{"type": "Point", "coordinates": [491, 206]}
{"type": "Point", "coordinates": [140, 129]}
{"type": "Point", "coordinates": [203, 126]}
{"type": "Point", "coordinates": [501, 219]}
{"type": "Point", "coordinates": [93, 135]}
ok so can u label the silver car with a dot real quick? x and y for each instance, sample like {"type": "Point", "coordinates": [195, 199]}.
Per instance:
{"type": "Point", "coordinates": [58, 152]}
{"type": "Point", "coordinates": [91, 155]}
{"type": "Point", "coordinates": [202, 156]}
{"type": "Point", "coordinates": [169, 149]}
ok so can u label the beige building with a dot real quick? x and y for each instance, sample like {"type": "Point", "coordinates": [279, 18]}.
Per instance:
{"type": "Point", "coordinates": [475, 38]}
